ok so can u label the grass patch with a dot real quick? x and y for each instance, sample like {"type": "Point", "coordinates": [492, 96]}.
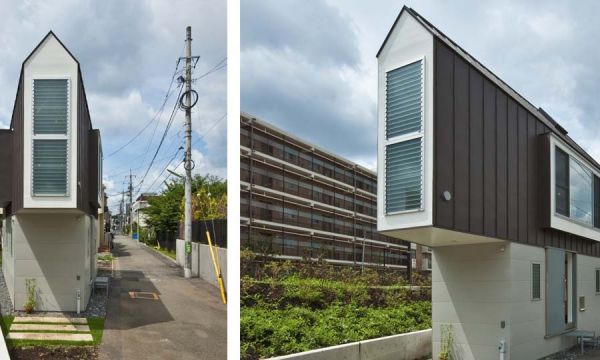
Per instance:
{"type": "Point", "coordinates": [166, 252]}
{"type": "Point", "coordinates": [96, 328]}
{"type": "Point", "coordinates": [107, 257]}
{"type": "Point", "coordinates": [95, 324]}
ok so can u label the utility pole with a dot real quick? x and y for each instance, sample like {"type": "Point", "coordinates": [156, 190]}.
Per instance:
{"type": "Point", "coordinates": [122, 210]}
{"type": "Point", "coordinates": [130, 200]}
{"type": "Point", "coordinates": [187, 270]}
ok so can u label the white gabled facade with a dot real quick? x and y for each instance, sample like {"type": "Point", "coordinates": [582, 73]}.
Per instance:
{"type": "Point", "coordinates": [407, 42]}
{"type": "Point", "coordinates": [50, 61]}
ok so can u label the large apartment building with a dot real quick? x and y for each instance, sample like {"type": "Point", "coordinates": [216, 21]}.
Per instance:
{"type": "Point", "coordinates": [300, 201]}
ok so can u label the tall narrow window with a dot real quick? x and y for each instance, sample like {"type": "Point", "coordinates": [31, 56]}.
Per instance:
{"type": "Point", "coordinates": [50, 137]}
{"type": "Point", "coordinates": [562, 182]}
{"type": "Point", "coordinates": [536, 293]}
{"type": "Point", "coordinates": [597, 281]}
{"type": "Point", "coordinates": [404, 138]}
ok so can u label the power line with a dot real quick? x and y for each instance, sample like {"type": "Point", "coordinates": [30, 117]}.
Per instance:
{"type": "Point", "coordinates": [209, 129]}
{"type": "Point", "coordinates": [220, 65]}
{"type": "Point", "coordinates": [156, 116]}
{"type": "Point", "coordinates": [162, 139]}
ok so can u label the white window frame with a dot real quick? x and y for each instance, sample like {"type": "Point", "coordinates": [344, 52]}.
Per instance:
{"type": "Point", "coordinates": [406, 137]}
{"type": "Point", "coordinates": [66, 136]}
{"type": "Point", "coordinates": [531, 282]}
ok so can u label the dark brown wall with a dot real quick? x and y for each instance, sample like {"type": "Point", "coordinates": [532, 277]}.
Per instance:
{"type": "Point", "coordinates": [84, 155]}
{"type": "Point", "coordinates": [94, 139]}
{"type": "Point", "coordinates": [17, 150]}
{"type": "Point", "coordinates": [5, 167]}
{"type": "Point", "coordinates": [486, 155]}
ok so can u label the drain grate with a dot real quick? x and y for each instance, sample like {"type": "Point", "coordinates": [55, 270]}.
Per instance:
{"type": "Point", "coordinates": [143, 295]}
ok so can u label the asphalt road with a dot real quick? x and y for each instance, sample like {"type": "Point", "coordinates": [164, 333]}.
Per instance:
{"type": "Point", "coordinates": [188, 321]}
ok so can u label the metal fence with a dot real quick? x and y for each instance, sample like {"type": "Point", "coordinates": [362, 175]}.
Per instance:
{"type": "Point", "coordinates": [218, 233]}
{"type": "Point", "coordinates": [217, 229]}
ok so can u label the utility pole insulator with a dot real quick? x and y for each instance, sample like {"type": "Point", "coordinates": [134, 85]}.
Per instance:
{"type": "Point", "coordinates": [187, 270]}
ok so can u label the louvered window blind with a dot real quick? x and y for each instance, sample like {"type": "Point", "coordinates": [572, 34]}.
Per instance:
{"type": "Point", "coordinates": [404, 138]}
{"type": "Point", "coordinates": [50, 142]}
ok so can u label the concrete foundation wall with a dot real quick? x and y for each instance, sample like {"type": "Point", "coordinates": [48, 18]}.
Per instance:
{"type": "Point", "coordinates": [471, 290]}
{"type": "Point", "coordinates": [475, 287]}
{"type": "Point", "coordinates": [202, 264]}
{"type": "Point", "coordinates": [8, 261]}
{"type": "Point", "coordinates": [409, 346]}
{"type": "Point", "coordinates": [53, 249]}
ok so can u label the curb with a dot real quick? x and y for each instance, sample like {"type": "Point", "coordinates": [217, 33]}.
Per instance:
{"type": "Point", "coordinates": [159, 253]}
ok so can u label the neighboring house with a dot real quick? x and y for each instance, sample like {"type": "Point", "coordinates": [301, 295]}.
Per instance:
{"type": "Point", "coordinates": [301, 201]}
{"type": "Point", "coordinates": [137, 214]}
{"type": "Point", "coordinates": [50, 188]}
{"type": "Point", "coordinates": [509, 203]}
{"type": "Point", "coordinates": [421, 258]}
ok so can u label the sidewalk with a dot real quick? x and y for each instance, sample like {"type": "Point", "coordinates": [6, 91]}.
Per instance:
{"type": "Point", "coordinates": [188, 321]}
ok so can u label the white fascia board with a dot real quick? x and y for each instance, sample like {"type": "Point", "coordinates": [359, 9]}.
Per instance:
{"type": "Point", "coordinates": [408, 42]}
{"type": "Point", "coordinates": [50, 61]}
{"type": "Point", "coordinates": [558, 221]}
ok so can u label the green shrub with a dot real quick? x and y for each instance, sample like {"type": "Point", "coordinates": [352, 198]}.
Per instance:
{"type": "Point", "coordinates": [293, 306]}
{"type": "Point", "coordinates": [268, 332]}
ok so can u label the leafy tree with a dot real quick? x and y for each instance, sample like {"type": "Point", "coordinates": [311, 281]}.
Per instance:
{"type": "Point", "coordinates": [165, 211]}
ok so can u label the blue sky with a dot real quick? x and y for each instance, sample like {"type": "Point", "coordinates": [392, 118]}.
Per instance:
{"type": "Point", "coordinates": [314, 67]}
{"type": "Point", "coordinates": [128, 51]}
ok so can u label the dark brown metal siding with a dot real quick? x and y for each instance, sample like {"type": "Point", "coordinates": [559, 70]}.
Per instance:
{"type": "Point", "coordinates": [486, 153]}
{"type": "Point", "coordinates": [5, 167]}
{"type": "Point", "coordinates": [83, 151]}
{"type": "Point", "coordinates": [94, 139]}
{"type": "Point", "coordinates": [17, 150]}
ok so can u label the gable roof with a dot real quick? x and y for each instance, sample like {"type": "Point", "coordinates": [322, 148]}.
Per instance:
{"type": "Point", "coordinates": [539, 113]}
{"type": "Point", "coordinates": [48, 35]}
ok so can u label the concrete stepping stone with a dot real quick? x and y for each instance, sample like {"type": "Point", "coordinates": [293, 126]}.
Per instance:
{"type": "Point", "coordinates": [49, 319]}
{"type": "Point", "coordinates": [49, 336]}
{"type": "Point", "coordinates": [49, 327]}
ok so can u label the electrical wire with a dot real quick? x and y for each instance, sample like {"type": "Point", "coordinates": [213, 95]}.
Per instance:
{"type": "Point", "coordinates": [156, 116]}
{"type": "Point", "coordinates": [220, 65]}
{"type": "Point", "coordinates": [161, 140]}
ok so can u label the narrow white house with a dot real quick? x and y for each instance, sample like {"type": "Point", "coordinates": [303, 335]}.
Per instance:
{"type": "Point", "coordinates": [50, 183]}
{"type": "Point", "coordinates": [508, 202]}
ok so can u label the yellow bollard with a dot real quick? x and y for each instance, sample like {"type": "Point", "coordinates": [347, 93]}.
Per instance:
{"type": "Point", "coordinates": [217, 266]}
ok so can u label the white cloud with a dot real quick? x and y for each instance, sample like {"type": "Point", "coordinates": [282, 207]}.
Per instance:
{"type": "Point", "coordinates": [127, 53]}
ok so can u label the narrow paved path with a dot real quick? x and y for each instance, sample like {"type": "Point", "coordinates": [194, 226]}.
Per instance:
{"type": "Point", "coordinates": [188, 321]}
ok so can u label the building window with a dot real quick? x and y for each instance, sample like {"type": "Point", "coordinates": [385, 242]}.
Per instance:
{"type": "Point", "coordinates": [9, 237]}
{"type": "Point", "coordinates": [404, 138]}
{"type": "Point", "coordinates": [50, 137]}
{"type": "Point", "coordinates": [536, 293]}
{"type": "Point", "coordinates": [577, 190]}
{"type": "Point", "coordinates": [562, 182]}
{"type": "Point", "coordinates": [597, 281]}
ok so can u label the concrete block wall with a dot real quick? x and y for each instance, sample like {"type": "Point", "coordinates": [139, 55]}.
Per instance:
{"type": "Point", "coordinates": [409, 346]}
{"type": "Point", "coordinates": [202, 264]}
